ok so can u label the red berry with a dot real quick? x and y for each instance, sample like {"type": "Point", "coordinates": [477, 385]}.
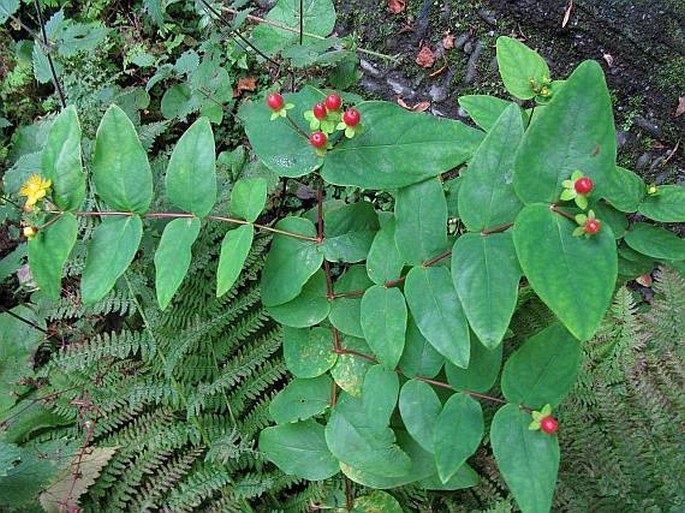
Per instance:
{"type": "Point", "coordinates": [549, 425]}
{"type": "Point", "coordinates": [333, 101]}
{"type": "Point", "coordinates": [583, 185]}
{"type": "Point", "coordinates": [274, 101]}
{"type": "Point", "coordinates": [351, 117]}
{"type": "Point", "coordinates": [592, 226]}
{"type": "Point", "coordinates": [317, 139]}
{"type": "Point", "coordinates": [319, 110]}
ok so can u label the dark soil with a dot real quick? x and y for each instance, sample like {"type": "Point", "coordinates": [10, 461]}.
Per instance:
{"type": "Point", "coordinates": [640, 44]}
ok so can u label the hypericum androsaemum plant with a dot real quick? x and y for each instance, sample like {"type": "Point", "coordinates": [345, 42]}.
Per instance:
{"type": "Point", "coordinates": [382, 308]}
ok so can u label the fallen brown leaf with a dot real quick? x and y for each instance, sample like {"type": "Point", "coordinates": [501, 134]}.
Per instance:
{"type": "Point", "coordinates": [681, 106]}
{"type": "Point", "coordinates": [425, 57]}
{"type": "Point", "coordinates": [419, 107]}
{"type": "Point", "coordinates": [448, 41]}
{"type": "Point", "coordinates": [645, 280]}
{"type": "Point", "coordinates": [567, 14]}
{"type": "Point", "coordinates": [245, 84]}
{"type": "Point", "coordinates": [396, 6]}
{"type": "Point", "coordinates": [609, 59]}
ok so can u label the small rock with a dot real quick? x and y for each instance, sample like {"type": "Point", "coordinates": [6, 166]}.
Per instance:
{"type": "Point", "coordinates": [648, 126]}
{"type": "Point", "coordinates": [468, 47]}
{"type": "Point", "coordinates": [462, 113]}
{"type": "Point", "coordinates": [461, 40]}
{"type": "Point", "coordinates": [438, 93]}
{"type": "Point", "coordinates": [399, 88]}
{"type": "Point", "coordinates": [369, 68]}
{"type": "Point", "coordinates": [473, 61]}
{"type": "Point", "coordinates": [487, 16]}
{"type": "Point", "coordinates": [643, 161]}
{"type": "Point", "coordinates": [621, 138]}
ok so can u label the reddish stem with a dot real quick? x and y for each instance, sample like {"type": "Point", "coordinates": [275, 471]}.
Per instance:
{"type": "Point", "coordinates": [497, 229]}
{"type": "Point", "coordinates": [184, 215]}
{"type": "Point", "coordinates": [554, 208]}
{"type": "Point", "coordinates": [437, 259]}
{"type": "Point", "coordinates": [342, 350]}
{"type": "Point", "coordinates": [392, 283]}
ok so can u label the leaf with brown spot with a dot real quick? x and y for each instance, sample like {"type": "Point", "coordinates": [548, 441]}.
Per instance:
{"type": "Point", "coordinates": [396, 6]}
{"type": "Point", "coordinates": [245, 84]}
{"type": "Point", "coordinates": [425, 57]}
{"type": "Point", "coordinates": [681, 106]}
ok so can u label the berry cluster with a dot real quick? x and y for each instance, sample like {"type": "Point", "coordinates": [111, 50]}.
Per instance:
{"type": "Point", "coordinates": [543, 420]}
{"type": "Point", "coordinates": [578, 188]}
{"type": "Point", "coordinates": [325, 118]}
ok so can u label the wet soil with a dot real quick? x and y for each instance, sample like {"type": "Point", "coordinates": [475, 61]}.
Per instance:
{"type": "Point", "coordinates": [640, 44]}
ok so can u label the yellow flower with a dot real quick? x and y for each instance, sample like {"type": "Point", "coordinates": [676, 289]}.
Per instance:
{"type": "Point", "coordinates": [29, 232]}
{"type": "Point", "coordinates": [34, 189]}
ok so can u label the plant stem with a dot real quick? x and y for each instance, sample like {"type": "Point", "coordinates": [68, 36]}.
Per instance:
{"type": "Point", "coordinates": [342, 350]}
{"type": "Point", "coordinates": [436, 259]}
{"type": "Point", "coordinates": [183, 215]}
{"type": "Point", "coordinates": [392, 58]}
{"type": "Point", "coordinates": [51, 64]}
{"type": "Point", "coordinates": [497, 229]}
{"type": "Point", "coordinates": [555, 208]}
{"type": "Point", "coordinates": [295, 126]}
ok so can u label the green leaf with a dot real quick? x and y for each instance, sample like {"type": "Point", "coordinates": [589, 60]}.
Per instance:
{"type": "Point", "coordinates": [420, 407]}
{"type": "Point", "coordinates": [543, 370]}
{"type": "Point", "coordinates": [178, 101]}
{"type": "Point", "coordinates": [308, 352]}
{"type": "Point", "coordinates": [7, 9]}
{"type": "Point", "coordinates": [191, 174]}
{"type": "Point", "coordinates": [299, 449]}
{"type": "Point", "coordinates": [301, 399]}
{"type": "Point", "coordinates": [574, 276]}
{"type": "Point", "coordinates": [438, 312]}
{"type": "Point", "coordinates": [349, 369]}
{"type": "Point", "coordinates": [61, 160]}
{"type": "Point", "coordinates": [234, 250]}
{"type": "Point", "coordinates": [464, 477]}
{"type": "Point", "coordinates": [421, 221]}
{"type": "Point", "coordinates": [667, 206]}
{"type": "Point", "coordinates": [419, 358]}
{"type": "Point", "coordinates": [422, 467]}
{"type": "Point", "coordinates": [309, 308]}
{"type": "Point", "coordinates": [357, 432]}
{"type": "Point", "coordinates": [18, 344]}
{"type": "Point", "coordinates": [121, 171]}
{"type": "Point", "coordinates": [395, 140]}
{"type": "Point", "coordinates": [483, 369]}
{"type": "Point", "coordinates": [575, 132]}
{"type": "Point", "coordinates": [611, 217]}
{"type": "Point", "coordinates": [248, 198]}
{"type": "Point", "coordinates": [655, 242]}
{"type": "Point", "coordinates": [458, 432]}
{"type": "Point", "coordinates": [528, 460]}
{"type": "Point", "coordinates": [376, 502]}
{"type": "Point", "coordinates": [484, 110]}
{"type": "Point", "coordinates": [486, 275]}
{"type": "Point", "coordinates": [110, 252]}
{"type": "Point", "coordinates": [278, 144]}
{"type": "Point", "coordinates": [519, 66]}
{"type": "Point", "coordinates": [290, 263]}
{"type": "Point", "coordinates": [172, 258]}
{"type": "Point", "coordinates": [48, 252]}
{"type": "Point", "coordinates": [627, 191]}
{"type": "Point", "coordinates": [346, 311]}
{"type": "Point", "coordinates": [349, 231]}
{"type": "Point", "coordinates": [384, 262]}
{"type": "Point", "coordinates": [486, 195]}
{"type": "Point", "coordinates": [318, 18]}
{"type": "Point", "coordinates": [384, 321]}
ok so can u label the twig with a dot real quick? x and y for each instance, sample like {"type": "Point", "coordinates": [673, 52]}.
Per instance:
{"type": "Point", "coordinates": [51, 64]}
